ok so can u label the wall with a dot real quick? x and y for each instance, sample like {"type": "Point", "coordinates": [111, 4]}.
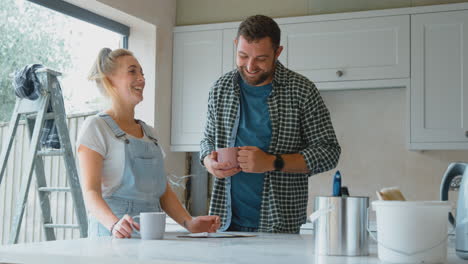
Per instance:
{"type": "Point", "coordinates": [190, 12]}
{"type": "Point", "coordinates": [371, 128]}
{"type": "Point", "coordinates": [370, 124]}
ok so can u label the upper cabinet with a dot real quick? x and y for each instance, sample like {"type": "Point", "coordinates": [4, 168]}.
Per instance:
{"type": "Point", "coordinates": [439, 83]}
{"type": "Point", "coordinates": [349, 50]}
{"type": "Point", "coordinates": [229, 50]}
{"type": "Point", "coordinates": [197, 64]}
{"type": "Point", "coordinates": [333, 53]}
{"type": "Point", "coordinates": [420, 48]}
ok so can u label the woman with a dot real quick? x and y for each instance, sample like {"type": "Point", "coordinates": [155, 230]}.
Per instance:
{"type": "Point", "coordinates": [121, 162]}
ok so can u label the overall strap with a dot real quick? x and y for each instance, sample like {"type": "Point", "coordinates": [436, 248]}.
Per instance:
{"type": "Point", "coordinates": [119, 133]}
{"type": "Point", "coordinates": [148, 132]}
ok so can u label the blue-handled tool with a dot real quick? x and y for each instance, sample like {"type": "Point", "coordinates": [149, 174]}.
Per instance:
{"type": "Point", "coordinates": [337, 184]}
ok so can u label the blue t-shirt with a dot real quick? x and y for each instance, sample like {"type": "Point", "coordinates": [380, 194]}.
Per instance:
{"type": "Point", "coordinates": [254, 130]}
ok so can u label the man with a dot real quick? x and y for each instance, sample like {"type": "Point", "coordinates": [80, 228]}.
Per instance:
{"type": "Point", "coordinates": [282, 128]}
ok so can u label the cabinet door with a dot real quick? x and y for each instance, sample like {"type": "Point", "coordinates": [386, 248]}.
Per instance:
{"type": "Point", "coordinates": [229, 50]}
{"type": "Point", "coordinates": [197, 65]}
{"type": "Point", "coordinates": [439, 81]}
{"type": "Point", "coordinates": [349, 50]}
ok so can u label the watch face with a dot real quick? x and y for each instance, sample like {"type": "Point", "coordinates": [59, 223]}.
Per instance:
{"type": "Point", "coordinates": [279, 163]}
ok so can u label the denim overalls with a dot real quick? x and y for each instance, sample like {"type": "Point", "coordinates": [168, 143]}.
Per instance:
{"type": "Point", "coordinates": [143, 181]}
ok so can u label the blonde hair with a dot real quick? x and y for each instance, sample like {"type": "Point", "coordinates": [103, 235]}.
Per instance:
{"type": "Point", "coordinates": [104, 65]}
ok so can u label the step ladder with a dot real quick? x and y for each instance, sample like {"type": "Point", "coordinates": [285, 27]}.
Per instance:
{"type": "Point", "coordinates": [36, 112]}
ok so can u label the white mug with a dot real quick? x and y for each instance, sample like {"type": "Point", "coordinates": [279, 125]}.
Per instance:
{"type": "Point", "coordinates": [152, 225]}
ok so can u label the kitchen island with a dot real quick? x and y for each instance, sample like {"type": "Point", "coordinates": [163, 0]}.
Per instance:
{"type": "Point", "coordinates": [263, 248]}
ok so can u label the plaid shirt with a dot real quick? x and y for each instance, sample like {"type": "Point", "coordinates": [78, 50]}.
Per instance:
{"type": "Point", "coordinates": [300, 123]}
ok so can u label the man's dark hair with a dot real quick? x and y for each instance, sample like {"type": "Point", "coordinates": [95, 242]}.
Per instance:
{"type": "Point", "coordinates": [259, 26]}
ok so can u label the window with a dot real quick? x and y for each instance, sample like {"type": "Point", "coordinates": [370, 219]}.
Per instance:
{"type": "Point", "coordinates": [66, 41]}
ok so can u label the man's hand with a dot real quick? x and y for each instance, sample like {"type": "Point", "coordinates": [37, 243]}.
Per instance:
{"type": "Point", "coordinates": [255, 160]}
{"type": "Point", "coordinates": [219, 169]}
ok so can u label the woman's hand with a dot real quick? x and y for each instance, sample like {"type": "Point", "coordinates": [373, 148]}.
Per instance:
{"type": "Point", "coordinates": [206, 223]}
{"type": "Point", "coordinates": [124, 227]}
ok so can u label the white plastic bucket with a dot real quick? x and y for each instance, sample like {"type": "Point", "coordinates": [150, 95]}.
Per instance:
{"type": "Point", "coordinates": [412, 231]}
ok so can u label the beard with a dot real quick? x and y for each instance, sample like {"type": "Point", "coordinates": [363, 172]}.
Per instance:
{"type": "Point", "coordinates": [254, 81]}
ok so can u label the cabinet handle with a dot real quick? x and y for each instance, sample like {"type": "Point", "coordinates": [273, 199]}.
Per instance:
{"type": "Point", "coordinates": [466, 133]}
{"type": "Point", "coordinates": [339, 73]}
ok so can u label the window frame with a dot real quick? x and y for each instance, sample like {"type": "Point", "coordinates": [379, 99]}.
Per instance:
{"type": "Point", "coordinates": [87, 16]}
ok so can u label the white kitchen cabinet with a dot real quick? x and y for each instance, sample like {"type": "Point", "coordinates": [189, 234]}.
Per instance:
{"type": "Point", "coordinates": [350, 53]}
{"type": "Point", "coordinates": [356, 50]}
{"type": "Point", "coordinates": [197, 64]}
{"type": "Point", "coordinates": [229, 50]}
{"type": "Point", "coordinates": [438, 97]}
{"type": "Point", "coordinates": [366, 49]}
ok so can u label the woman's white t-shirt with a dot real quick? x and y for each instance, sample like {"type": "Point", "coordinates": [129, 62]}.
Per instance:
{"type": "Point", "coordinates": [98, 136]}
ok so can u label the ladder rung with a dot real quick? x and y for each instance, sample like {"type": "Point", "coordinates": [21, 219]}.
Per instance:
{"type": "Point", "coordinates": [54, 189]}
{"type": "Point", "coordinates": [47, 116]}
{"type": "Point", "coordinates": [61, 226]}
{"type": "Point", "coordinates": [51, 152]}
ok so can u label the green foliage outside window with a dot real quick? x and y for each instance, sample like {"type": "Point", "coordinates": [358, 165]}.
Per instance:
{"type": "Point", "coordinates": [28, 34]}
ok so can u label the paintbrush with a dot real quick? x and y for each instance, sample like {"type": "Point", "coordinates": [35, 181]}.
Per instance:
{"type": "Point", "coordinates": [390, 194]}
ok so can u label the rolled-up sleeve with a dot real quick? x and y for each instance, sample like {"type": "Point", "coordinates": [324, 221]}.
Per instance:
{"type": "Point", "coordinates": [322, 150]}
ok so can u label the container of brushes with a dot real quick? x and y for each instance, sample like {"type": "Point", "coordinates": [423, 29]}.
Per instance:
{"type": "Point", "coordinates": [340, 224]}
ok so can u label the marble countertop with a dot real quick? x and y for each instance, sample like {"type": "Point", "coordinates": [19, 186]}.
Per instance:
{"type": "Point", "coordinates": [264, 248]}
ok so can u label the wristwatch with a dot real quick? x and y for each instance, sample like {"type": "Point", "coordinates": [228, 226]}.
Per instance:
{"type": "Point", "coordinates": [278, 163]}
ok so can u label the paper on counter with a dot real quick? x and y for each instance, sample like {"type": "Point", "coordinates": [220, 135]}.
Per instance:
{"type": "Point", "coordinates": [216, 235]}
